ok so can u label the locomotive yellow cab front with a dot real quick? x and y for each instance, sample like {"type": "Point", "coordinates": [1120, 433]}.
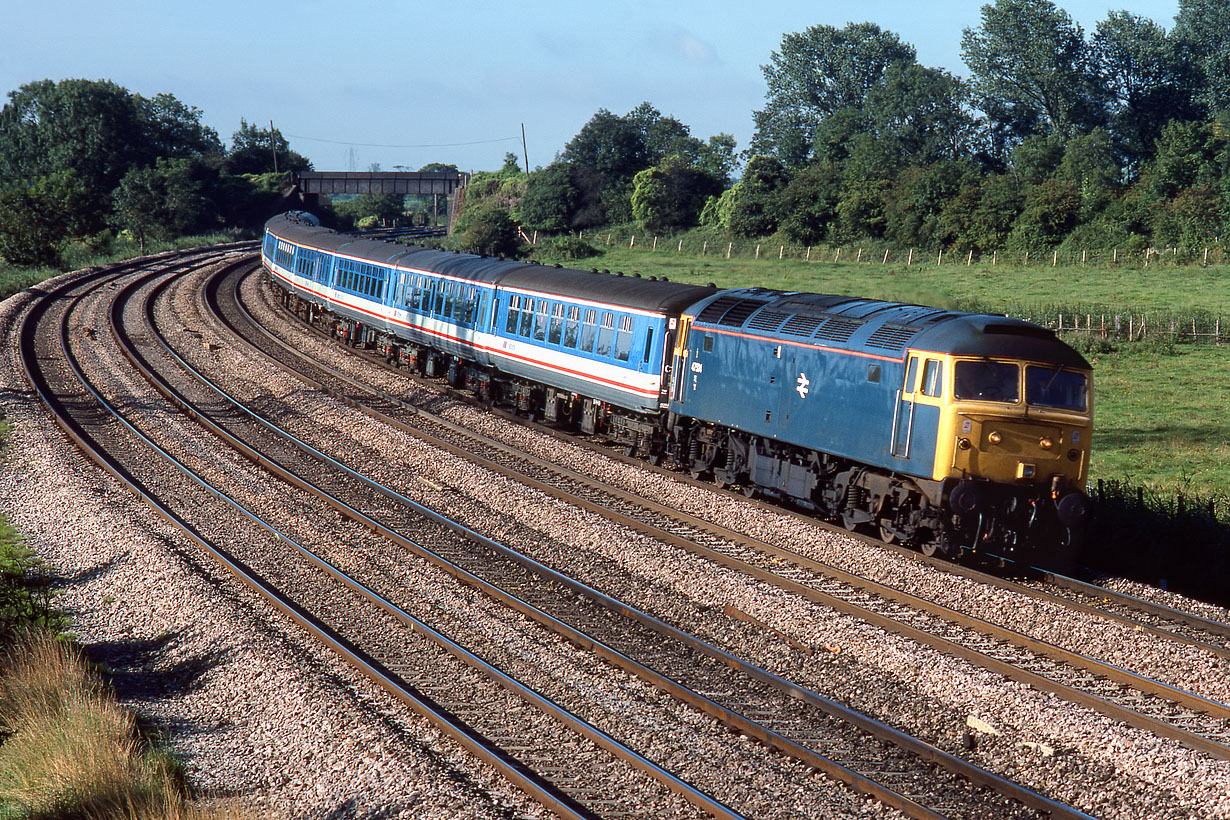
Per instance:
{"type": "Point", "coordinates": [1017, 422]}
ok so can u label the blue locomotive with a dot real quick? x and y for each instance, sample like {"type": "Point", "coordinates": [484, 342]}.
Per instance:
{"type": "Point", "coordinates": [946, 430]}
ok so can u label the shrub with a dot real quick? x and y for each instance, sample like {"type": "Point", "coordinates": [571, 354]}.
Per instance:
{"type": "Point", "coordinates": [567, 247]}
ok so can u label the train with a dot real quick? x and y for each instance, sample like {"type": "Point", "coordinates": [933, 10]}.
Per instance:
{"type": "Point", "coordinates": [948, 431]}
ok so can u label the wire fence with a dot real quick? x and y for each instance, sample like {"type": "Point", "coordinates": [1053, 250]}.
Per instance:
{"type": "Point", "coordinates": [1213, 254]}
{"type": "Point", "coordinates": [1133, 326]}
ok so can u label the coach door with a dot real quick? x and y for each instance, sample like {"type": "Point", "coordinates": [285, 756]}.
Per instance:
{"type": "Point", "coordinates": [681, 360]}
{"type": "Point", "coordinates": [903, 413]}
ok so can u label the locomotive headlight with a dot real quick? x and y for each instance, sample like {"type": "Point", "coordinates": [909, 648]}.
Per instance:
{"type": "Point", "coordinates": [994, 437]}
{"type": "Point", "coordinates": [1046, 442]}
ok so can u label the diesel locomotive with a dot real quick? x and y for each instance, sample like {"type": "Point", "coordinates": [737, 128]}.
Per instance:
{"type": "Point", "coordinates": [946, 430]}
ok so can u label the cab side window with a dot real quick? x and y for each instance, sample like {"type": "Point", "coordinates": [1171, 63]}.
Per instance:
{"type": "Point", "coordinates": [933, 378]}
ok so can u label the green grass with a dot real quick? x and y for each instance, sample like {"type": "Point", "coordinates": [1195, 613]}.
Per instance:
{"type": "Point", "coordinates": [1161, 418]}
{"type": "Point", "coordinates": [1162, 288]}
{"type": "Point", "coordinates": [14, 279]}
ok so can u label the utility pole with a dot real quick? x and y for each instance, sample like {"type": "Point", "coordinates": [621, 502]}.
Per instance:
{"type": "Point", "coordinates": [524, 150]}
{"type": "Point", "coordinates": [273, 146]}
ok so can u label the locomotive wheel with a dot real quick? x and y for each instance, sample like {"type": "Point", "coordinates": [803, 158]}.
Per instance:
{"type": "Point", "coordinates": [935, 548]}
{"type": "Point", "coordinates": [887, 535]}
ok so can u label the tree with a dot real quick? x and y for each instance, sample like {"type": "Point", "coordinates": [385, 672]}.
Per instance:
{"type": "Point", "coordinates": [919, 195]}
{"type": "Point", "coordinates": [756, 208]}
{"type": "Point", "coordinates": [670, 195]}
{"type": "Point", "coordinates": [162, 202]}
{"type": "Point", "coordinates": [981, 216]}
{"type": "Point", "coordinates": [94, 129]}
{"type": "Point", "coordinates": [815, 74]}
{"type": "Point", "coordinates": [550, 199]}
{"type": "Point", "coordinates": [511, 165]}
{"type": "Point", "coordinates": [808, 203]}
{"type": "Point", "coordinates": [36, 219]}
{"type": "Point", "coordinates": [1146, 80]}
{"type": "Point", "coordinates": [1051, 212]}
{"type": "Point", "coordinates": [382, 209]}
{"type": "Point", "coordinates": [921, 111]}
{"type": "Point", "coordinates": [486, 229]}
{"type": "Point", "coordinates": [175, 129]}
{"type": "Point", "coordinates": [1029, 61]}
{"type": "Point", "coordinates": [1202, 35]}
{"type": "Point", "coordinates": [253, 149]}
{"type": "Point", "coordinates": [1089, 163]}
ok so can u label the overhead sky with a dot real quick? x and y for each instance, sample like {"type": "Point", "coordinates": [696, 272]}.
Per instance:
{"type": "Point", "coordinates": [400, 83]}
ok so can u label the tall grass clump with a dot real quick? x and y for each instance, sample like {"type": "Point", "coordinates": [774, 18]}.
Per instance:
{"type": "Point", "coordinates": [70, 751]}
{"type": "Point", "coordinates": [67, 749]}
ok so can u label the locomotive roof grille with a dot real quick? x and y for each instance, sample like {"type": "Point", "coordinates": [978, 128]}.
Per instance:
{"type": "Point", "coordinates": [730, 310]}
{"type": "Point", "coordinates": [838, 330]}
{"type": "Point", "coordinates": [714, 310]}
{"type": "Point", "coordinates": [768, 320]}
{"type": "Point", "coordinates": [802, 325]}
{"type": "Point", "coordinates": [891, 336]}
{"type": "Point", "coordinates": [737, 315]}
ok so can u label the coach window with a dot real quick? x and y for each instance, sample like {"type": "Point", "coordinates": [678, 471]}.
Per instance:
{"type": "Point", "coordinates": [933, 378]}
{"type": "Point", "coordinates": [471, 305]}
{"type": "Point", "coordinates": [527, 317]}
{"type": "Point", "coordinates": [623, 339]}
{"type": "Point", "coordinates": [446, 309]}
{"type": "Point", "coordinates": [589, 329]}
{"type": "Point", "coordinates": [648, 342]}
{"type": "Point", "coordinates": [604, 335]}
{"type": "Point", "coordinates": [557, 324]}
{"type": "Point", "coordinates": [514, 314]}
{"type": "Point", "coordinates": [572, 326]}
{"type": "Point", "coordinates": [540, 324]}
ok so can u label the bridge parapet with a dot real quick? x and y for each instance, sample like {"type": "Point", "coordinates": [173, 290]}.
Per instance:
{"type": "Point", "coordinates": [381, 182]}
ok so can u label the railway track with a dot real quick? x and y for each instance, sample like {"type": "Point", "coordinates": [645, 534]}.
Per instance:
{"type": "Point", "coordinates": [1119, 693]}
{"type": "Point", "coordinates": [433, 675]}
{"type": "Point", "coordinates": [873, 758]}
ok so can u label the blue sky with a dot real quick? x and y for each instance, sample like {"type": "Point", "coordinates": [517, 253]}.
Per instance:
{"type": "Point", "coordinates": [453, 82]}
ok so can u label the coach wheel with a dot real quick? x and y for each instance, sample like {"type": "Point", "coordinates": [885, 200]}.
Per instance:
{"type": "Point", "coordinates": [887, 535]}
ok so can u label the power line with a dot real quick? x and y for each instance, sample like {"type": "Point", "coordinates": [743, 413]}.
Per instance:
{"type": "Point", "coordinates": [382, 145]}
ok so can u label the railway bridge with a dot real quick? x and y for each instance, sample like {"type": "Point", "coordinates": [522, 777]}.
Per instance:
{"type": "Point", "coordinates": [449, 185]}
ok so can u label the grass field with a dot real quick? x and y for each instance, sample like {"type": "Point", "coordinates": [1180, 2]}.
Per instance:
{"type": "Point", "coordinates": [1161, 410]}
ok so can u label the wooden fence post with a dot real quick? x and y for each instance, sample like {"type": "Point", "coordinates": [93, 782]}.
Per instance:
{"type": "Point", "coordinates": [910, 259]}
{"type": "Point", "coordinates": [729, 245]}
{"type": "Point", "coordinates": [757, 250]}
{"type": "Point", "coordinates": [885, 262]}
{"type": "Point", "coordinates": [703, 247]}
